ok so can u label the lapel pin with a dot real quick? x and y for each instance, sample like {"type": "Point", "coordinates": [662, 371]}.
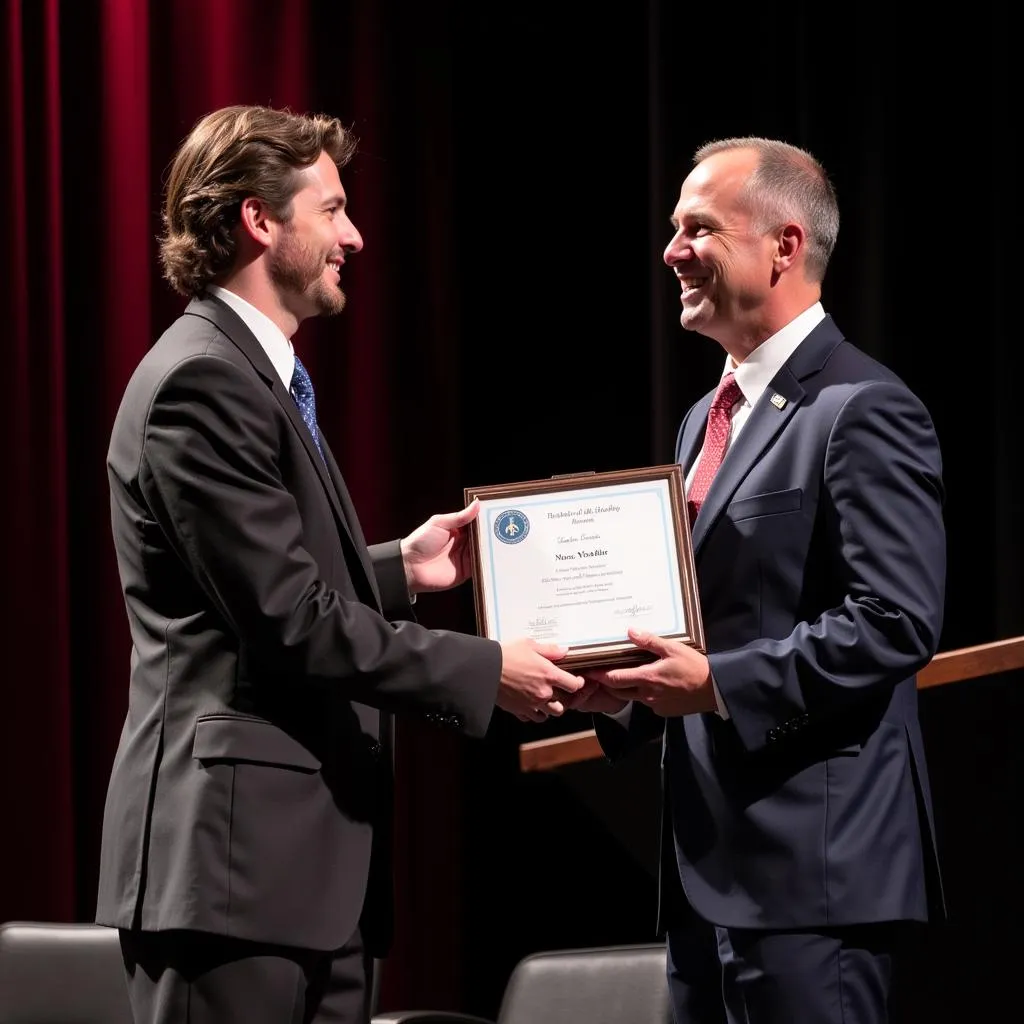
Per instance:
{"type": "Point", "coordinates": [777, 400]}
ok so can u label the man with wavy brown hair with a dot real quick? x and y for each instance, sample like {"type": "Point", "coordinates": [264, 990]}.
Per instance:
{"type": "Point", "coordinates": [245, 851]}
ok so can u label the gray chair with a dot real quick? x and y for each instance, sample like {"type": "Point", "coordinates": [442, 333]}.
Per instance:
{"type": "Point", "coordinates": [61, 974]}
{"type": "Point", "coordinates": [596, 985]}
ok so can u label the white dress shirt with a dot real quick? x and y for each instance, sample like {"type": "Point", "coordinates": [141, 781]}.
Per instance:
{"type": "Point", "coordinates": [279, 349]}
{"type": "Point", "coordinates": [756, 372]}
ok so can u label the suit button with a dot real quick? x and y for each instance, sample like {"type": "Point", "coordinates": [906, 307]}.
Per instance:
{"type": "Point", "coordinates": [374, 748]}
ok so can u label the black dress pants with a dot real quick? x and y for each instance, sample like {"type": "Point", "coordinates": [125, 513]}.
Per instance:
{"type": "Point", "coordinates": [746, 976]}
{"type": "Point", "coordinates": [185, 977]}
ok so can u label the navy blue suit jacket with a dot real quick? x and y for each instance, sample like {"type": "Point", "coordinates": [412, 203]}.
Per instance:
{"type": "Point", "coordinates": [820, 556]}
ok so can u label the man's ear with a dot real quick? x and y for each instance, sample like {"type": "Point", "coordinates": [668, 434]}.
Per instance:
{"type": "Point", "coordinates": [257, 221]}
{"type": "Point", "coordinates": [789, 245]}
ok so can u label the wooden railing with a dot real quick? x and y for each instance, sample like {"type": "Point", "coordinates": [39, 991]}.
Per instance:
{"type": "Point", "coordinates": [946, 667]}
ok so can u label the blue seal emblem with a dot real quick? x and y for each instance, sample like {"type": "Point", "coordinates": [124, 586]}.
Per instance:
{"type": "Point", "coordinates": [511, 526]}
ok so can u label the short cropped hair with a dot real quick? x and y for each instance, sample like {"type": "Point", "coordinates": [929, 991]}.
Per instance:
{"type": "Point", "coordinates": [788, 184]}
{"type": "Point", "coordinates": [232, 154]}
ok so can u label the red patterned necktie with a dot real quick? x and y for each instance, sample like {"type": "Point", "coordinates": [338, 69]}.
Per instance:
{"type": "Point", "coordinates": [715, 440]}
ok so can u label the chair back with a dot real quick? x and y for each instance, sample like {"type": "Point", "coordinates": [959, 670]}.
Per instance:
{"type": "Point", "coordinates": [598, 985]}
{"type": "Point", "coordinates": [61, 974]}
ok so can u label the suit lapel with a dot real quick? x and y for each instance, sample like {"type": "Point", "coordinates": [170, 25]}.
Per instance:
{"type": "Point", "coordinates": [225, 319]}
{"type": "Point", "coordinates": [334, 486]}
{"type": "Point", "coordinates": [766, 420]}
{"type": "Point", "coordinates": [352, 520]}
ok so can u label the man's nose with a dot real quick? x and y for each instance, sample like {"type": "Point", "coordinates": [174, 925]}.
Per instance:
{"type": "Point", "coordinates": [676, 252]}
{"type": "Point", "coordinates": [350, 238]}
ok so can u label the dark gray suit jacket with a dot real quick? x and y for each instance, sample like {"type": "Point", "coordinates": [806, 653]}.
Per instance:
{"type": "Point", "coordinates": [820, 556]}
{"type": "Point", "coordinates": [251, 791]}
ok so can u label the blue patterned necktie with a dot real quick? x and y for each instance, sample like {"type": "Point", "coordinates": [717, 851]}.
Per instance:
{"type": "Point", "coordinates": [302, 392]}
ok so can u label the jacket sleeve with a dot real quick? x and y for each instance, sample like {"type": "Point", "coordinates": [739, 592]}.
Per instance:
{"type": "Point", "coordinates": [210, 476]}
{"type": "Point", "coordinates": [389, 569]}
{"type": "Point", "coordinates": [879, 542]}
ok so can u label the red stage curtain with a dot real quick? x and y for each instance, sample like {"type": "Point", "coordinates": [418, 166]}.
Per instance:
{"type": "Point", "coordinates": [37, 855]}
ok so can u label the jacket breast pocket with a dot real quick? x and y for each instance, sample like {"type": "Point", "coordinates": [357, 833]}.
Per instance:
{"type": "Point", "coordinates": [771, 503]}
{"type": "Point", "coordinates": [249, 740]}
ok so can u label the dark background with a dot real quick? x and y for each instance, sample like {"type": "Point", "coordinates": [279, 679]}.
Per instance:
{"type": "Point", "coordinates": [509, 318]}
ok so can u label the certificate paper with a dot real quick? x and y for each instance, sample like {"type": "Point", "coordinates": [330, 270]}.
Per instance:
{"type": "Point", "coordinates": [576, 560]}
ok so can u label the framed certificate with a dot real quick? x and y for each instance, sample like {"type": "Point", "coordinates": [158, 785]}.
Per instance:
{"type": "Point", "coordinates": [575, 560]}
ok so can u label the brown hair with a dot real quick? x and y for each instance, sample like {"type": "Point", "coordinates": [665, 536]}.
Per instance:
{"type": "Point", "coordinates": [229, 155]}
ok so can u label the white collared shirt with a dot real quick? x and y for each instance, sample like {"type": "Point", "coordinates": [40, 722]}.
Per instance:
{"type": "Point", "coordinates": [758, 370]}
{"type": "Point", "coordinates": [279, 349]}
